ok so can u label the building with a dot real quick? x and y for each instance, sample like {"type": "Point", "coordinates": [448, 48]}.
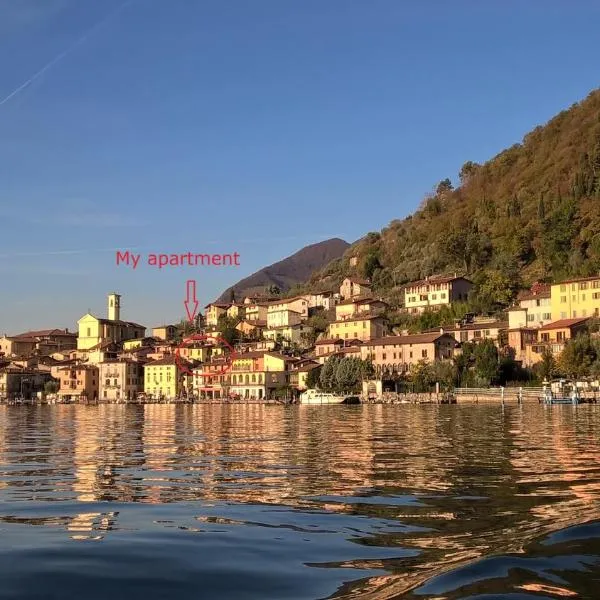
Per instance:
{"type": "Point", "coordinates": [120, 380]}
{"type": "Point", "coordinates": [236, 311]}
{"type": "Point", "coordinates": [477, 331]}
{"type": "Point", "coordinates": [163, 378]}
{"type": "Point", "coordinates": [356, 306]}
{"type": "Point", "coordinates": [164, 332]}
{"type": "Point", "coordinates": [553, 337]}
{"type": "Point", "coordinates": [434, 292]}
{"type": "Point", "coordinates": [326, 299]}
{"type": "Point", "coordinates": [213, 312]}
{"type": "Point", "coordinates": [359, 328]}
{"type": "Point", "coordinates": [289, 334]}
{"type": "Point", "coordinates": [536, 304]}
{"type": "Point", "coordinates": [252, 328]}
{"type": "Point", "coordinates": [327, 346]}
{"type": "Point", "coordinates": [95, 331]}
{"type": "Point", "coordinates": [353, 286]}
{"type": "Point", "coordinates": [521, 339]}
{"type": "Point", "coordinates": [283, 317]}
{"type": "Point", "coordinates": [44, 341]}
{"type": "Point", "coordinates": [299, 372]}
{"type": "Point", "coordinates": [398, 353]}
{"type": "Point", "coordinates": [19, 382]}
{"type": "Point", "coordinates": [255, 311]}
{"type": "Point", "coordinates": [78, 382]}
{"type": "Point", "coordinates": [575, 298]}
{"type": "Point", "coordinates": [296, 304]}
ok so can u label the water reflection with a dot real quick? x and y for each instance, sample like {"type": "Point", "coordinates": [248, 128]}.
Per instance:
{"type": "Point", "coordinates": [372, 500]}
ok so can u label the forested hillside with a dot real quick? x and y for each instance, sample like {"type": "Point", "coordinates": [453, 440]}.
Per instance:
{"type": "Point", "coordinates": [531, 213]}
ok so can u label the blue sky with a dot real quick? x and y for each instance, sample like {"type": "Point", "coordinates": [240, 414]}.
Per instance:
{"type": "Point", "coordinates": [256, 127]}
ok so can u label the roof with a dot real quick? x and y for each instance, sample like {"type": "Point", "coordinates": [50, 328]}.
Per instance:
{"type": "Point", "coordinates": [358, 280]}
{"type": "Point", "coordinates": [113, 322]}
{"type": "Point", "coordinates": [419, 338]}
{"type": "Point", "coordinates": [329, 341]}
{"type": "Point", "coordinates": [286, 300]}
{"type": "Point", "coordinates": [564, 323]}
{"type": "Point", "coordinates": [45, 333]}
{"type": "Point", "coordinates": [251, 354]}
{"type": "Point", "coordinates": [364, 317]}
{"type": "Point", "coordinates": [578, 279]}
{"type": "Point", "coordinates": [435, 279]}
{"type": "Point", "coordinates": [167, 361]}
{"type": "Point", "coordinates": [253, 322]}
{"type": "Point", "coordinates": [471, 327]}
{"type": "Point", "coordinates": [282, 356]}
{"type": "Point", "coordinates": [163, 326]}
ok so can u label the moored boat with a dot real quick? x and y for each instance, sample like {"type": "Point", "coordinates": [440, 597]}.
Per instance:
{"type": "Point", "coordinates": [319, 397]}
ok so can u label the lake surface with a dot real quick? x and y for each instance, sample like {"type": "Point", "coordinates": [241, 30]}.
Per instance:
{"type": "Point", "coordinates": [261, 502]}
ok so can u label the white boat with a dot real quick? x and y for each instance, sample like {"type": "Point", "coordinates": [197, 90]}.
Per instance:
{"type": "Point", "coordinates": [318, 397]}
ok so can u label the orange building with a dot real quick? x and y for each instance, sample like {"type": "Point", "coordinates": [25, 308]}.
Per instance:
{"type": "Point", "coordinates": [78, 382]}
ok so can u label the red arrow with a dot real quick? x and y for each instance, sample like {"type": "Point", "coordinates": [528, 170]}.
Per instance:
{"type": "Point", "coordinates": [190, 302]}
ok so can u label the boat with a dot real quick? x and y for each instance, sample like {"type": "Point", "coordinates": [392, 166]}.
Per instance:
{"type": "Point", "coordinates": [319, 397]}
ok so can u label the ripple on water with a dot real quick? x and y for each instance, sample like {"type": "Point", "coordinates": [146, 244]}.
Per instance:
{"type": "Point", "coordinates": [256, 502]}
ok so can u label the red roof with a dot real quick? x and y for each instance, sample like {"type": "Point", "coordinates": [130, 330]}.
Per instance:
{"type": "Point", "coordinates": [565, 323]}
{"type": "Point", "coordinates": [329, 341]}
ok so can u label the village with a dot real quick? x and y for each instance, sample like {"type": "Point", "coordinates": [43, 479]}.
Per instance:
{"type": "Point", "coordinates": [276, 352]}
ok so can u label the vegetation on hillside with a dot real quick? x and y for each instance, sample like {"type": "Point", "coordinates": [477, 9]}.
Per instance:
{"type": "Point", "coordinates": [532, 213]}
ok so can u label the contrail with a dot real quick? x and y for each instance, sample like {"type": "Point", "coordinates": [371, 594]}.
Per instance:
{"type": "Point", "coordinates": [66, 52]}
{"type": "Point", "coordinates": [123, 248]}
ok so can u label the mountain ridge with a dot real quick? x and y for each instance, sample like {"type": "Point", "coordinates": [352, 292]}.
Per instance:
{"type": "Point", "coordinates": [290, 271]}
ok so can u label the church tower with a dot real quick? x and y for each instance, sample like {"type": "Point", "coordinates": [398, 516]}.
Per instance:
{"type": "Point", "coordinates": [114, 307]}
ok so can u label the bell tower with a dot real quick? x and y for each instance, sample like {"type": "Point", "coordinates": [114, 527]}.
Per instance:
{"type": "Point", "coordinates": [114, 307]}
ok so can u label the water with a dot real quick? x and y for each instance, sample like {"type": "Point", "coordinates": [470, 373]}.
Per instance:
{"type": "Point", "coordinates": [261, 502]}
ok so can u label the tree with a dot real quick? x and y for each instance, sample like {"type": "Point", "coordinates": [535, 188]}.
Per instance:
{"type": "Point", "coordinates": [312, 379]}
{"type": "Point", "coordinates": [443, 187]}
{"type": "Point", "coordinates": [422, 376]}
{"type": "Point", "coordinates": [227, 329]}
{"type": "Point", "coordinates": [546, 369]}
{"type": "Point", "coordinates": [486, 363]}
{"type": "Point", "coordinates": [579, 356]}
{"type": "Point", "coordinates": [467, 171]}
{"type": "Point", "coordinates": [344, 374]}
{"type": "Point", "coordinates": [51, 387]}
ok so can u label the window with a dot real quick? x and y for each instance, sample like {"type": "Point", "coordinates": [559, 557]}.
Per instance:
{"type": "Point", "coordinates": [596, 295]}
{"type": "Point", "coordinates": [394, 356]}
{"type": "Point", "coordinates": [356, 334]}
{"type": "Point", "coordinates": [346, 336]}
{"type": "Point", "coordinates": [107, 382]}
{"type": "Point", "coordinates": [583, 297]}
{"type": "Point", "coordinates": [596, 284]}
{"type": "Point", "coordinates": [574, 298]}
{"type": "Point", "coordinates": [563, 288]}
{"type": "Point", "coordinates": [89, 332]}
{"type": "Point", "coordinates": [530, 317]}
{"type": "Point", "coordinates": [423, 353]}
{"type": "Point", "coordinates": [477, 334]}
{"type": "Point", "coordinates": [383, 356]}
{"type": "Point", "coordinates": [464, 336]}
{"type": "Point", "coordinates": [434, 296]}
{"type": "Point", "coordinates": [411, 353]}
{"type": "Point", "coordinates": [563, 315]}
{"type": "Point", "coordinates": [545, 337]}
{"type": "Point", "coordinates": [443, 295]}
{"type": "Point", "coordinates": [546, 316]}
{"type": "Point", "coordinates": [560, 336]}
{"type": "Point", "coordinates": [574, 314]}
{"type": "Point", "coordinates": [563, 299]}
{"type": "Point", "coordinates": [487, 333]}
{"type": "Point", "coordinates": [583, 286]}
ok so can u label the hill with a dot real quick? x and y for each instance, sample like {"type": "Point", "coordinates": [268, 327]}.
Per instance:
{"type": "Point", "coordinates": [290, 271]}
{"type": "Point", "coordinates": [532, 213]}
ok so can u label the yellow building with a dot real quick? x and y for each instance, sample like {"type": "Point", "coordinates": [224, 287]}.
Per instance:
{"type": "Point", "coordinates": [434, 292]}
{"type": "Point", "coordinates": [163, 378]}
{"type": "Point", "coordinates": [164, 332]}
{"type": "Point", "coordinates": [284, 317]}
{"type": "Point", "coordinates": [94, 331]}
{"type": "Point", "coordinates": [356, 306]}
{"type": "Point", "coordinates": [236, 311]}
{"type": "Point", "coordinates": [358, 328]}
{"type": "Point", "coordinates": [576, 298]}
{"type": "Point", "coordinates": [213, 312]}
